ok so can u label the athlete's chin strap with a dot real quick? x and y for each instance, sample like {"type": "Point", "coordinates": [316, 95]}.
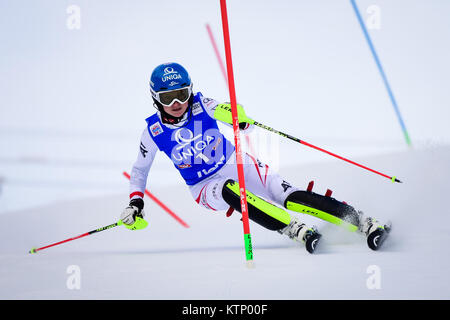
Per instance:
{"type": "Point", "coordinates": [167, 118]}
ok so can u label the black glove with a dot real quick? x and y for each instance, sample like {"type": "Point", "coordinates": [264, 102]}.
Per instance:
{"type": "Point", "coordinates": [134, 209]}
{"type": "Point", "coordinates": [243, 125]}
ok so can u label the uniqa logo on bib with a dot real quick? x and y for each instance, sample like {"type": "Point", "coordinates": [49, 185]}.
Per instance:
{"type": "Point", "coordinates": [170, 74]}
{"type": "Point", "coordinates": [195, 148]}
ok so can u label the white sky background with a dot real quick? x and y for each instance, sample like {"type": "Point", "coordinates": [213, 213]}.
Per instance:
{"type": "Point", "coordinates": [73, 102]}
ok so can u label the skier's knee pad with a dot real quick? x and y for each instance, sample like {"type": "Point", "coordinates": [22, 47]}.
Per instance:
{"type": "Point", "coordinates": [308, 199]}
{"type": "Point", "coordinates": [259, 210]}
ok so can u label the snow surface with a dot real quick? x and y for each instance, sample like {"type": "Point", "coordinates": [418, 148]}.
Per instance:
{"type": "Point", "coordinates": [207, 261]}
{"type": "Point", "coordinates": [72, 108]}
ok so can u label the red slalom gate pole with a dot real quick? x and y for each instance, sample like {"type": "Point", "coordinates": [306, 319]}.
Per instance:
{"type": "Point", "coordinates": [216, 51]}
{"type": "Point", "coordinates": [237, 140]}
{"type": "Point", "coordinates": [162, 205]}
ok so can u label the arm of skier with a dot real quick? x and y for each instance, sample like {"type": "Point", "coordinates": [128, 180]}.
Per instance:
{"type": "Point", "coordinates": [138, 179]}
{"type": "Point", "coordinates": [211, 106]}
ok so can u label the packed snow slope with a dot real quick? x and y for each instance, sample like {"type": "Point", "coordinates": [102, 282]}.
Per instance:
{"type": "Point", "coordinates": [207, 260]}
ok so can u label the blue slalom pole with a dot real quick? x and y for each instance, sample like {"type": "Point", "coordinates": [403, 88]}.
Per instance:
{"type": "Point", "coordinates": [383, 75]}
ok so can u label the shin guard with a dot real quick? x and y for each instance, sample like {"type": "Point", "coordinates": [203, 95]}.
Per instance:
{"type": "Point", "coordinates": [259, 210]}
{"type": "Point", "coordinates": [323, 207]}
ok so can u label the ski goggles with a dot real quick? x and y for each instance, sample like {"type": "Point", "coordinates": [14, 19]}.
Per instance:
{"type": "Point", "coordinates": [168, 98]}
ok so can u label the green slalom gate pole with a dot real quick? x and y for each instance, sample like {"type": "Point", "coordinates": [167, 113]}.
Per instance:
{"type": "Point", "coordinates": [235, 122]}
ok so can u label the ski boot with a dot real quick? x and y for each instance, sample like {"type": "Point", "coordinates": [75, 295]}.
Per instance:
{"type": "Point", "coordinates": [300, 232]}
{"type": "Point", "coordinates": [375, 232]}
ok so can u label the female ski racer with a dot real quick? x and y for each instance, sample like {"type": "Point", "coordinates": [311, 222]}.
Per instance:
{"type": "Point", "coordinates": [185, 128]}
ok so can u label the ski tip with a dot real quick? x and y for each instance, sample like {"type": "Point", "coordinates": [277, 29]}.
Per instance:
{"type": "Point", "coordinates": [33, 250]}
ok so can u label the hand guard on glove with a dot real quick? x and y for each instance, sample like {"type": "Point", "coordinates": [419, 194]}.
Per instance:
{"type": "Point", "coordinates": [223, 113]}
{"type": "Point", "coordinates": [134, 209]}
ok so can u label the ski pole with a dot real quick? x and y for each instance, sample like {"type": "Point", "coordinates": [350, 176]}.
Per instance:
{"type": "Point", "coordinates": [393, 178]}
{"type": "Point", "coordinates": [222, 113]}
{"type": "Point", "coordinates": [35, 250]}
